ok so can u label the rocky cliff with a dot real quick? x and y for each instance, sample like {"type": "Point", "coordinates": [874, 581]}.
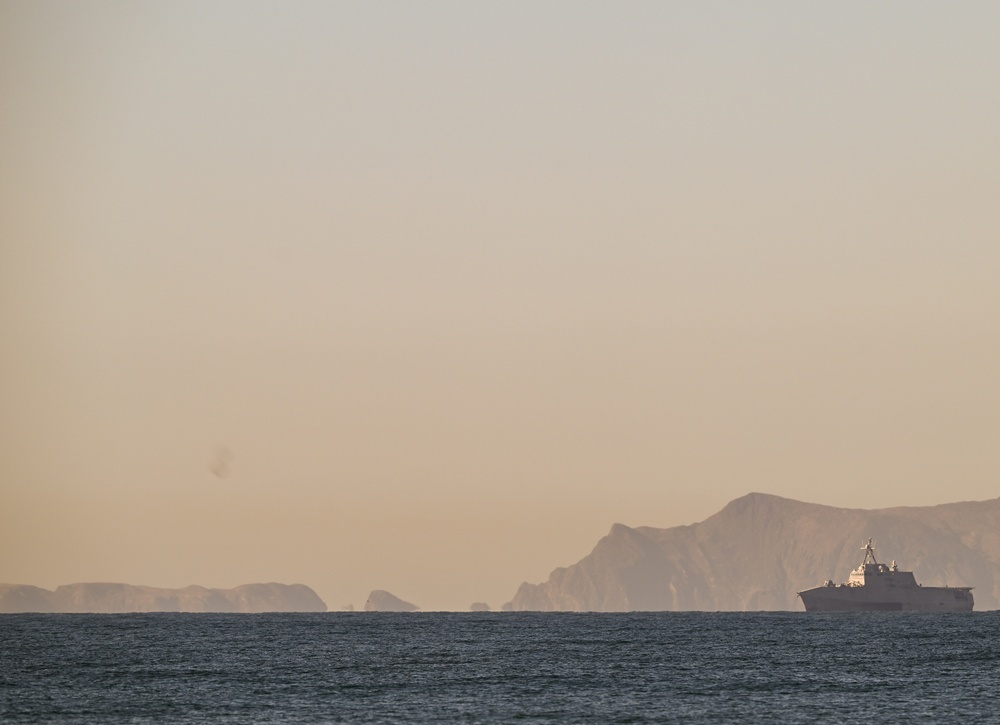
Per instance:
{"type": "Point", "coordinates": [760, 550]}
{"type": "Point", "coordinates": [119, 598]}
{"type": "Point", "coordinates": [382, 601]}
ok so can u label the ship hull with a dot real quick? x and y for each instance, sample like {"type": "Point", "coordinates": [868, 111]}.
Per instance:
{"type": "Point", "coordinates": [862, 599]}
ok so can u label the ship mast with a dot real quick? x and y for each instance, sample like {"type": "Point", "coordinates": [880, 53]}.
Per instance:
{"type": "Point", "coordinates": [869, 549]}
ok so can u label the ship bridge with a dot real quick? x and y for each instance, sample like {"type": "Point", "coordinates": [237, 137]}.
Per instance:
{"type": "Point", "coordinates": [871, 573]}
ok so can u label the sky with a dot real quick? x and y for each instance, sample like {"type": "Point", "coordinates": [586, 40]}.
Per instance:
{"type": "Point", "coordinates": [425, 296]}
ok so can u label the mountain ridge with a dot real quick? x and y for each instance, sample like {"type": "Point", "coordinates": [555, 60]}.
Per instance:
{"type": "Point", "coordinates": [118, 598]}
{"type": "Point", "coordinates": [759, 550]}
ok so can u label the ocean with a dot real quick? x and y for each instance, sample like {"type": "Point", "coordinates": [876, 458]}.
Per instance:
{"type": "Point", "coordinates": [357, 667]}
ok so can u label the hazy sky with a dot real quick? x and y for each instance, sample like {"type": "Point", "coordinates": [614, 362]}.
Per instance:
{"type": "Point", "coordinates": [460, 285]}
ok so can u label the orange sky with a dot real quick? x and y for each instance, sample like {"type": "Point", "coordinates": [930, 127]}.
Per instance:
{"type": "Point", "coordinates": [460, 286]}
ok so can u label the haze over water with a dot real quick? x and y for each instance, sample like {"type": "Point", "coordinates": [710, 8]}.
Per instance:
{"type": "Point", "coordinates": [425, 297]}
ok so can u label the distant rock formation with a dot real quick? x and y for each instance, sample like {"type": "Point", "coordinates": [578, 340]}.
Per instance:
{"type": "Point", "coordinates": [382, 601]}
{"type": "Point", "coordinates": [105, 598]}
{"type": "Point", "coordinates": [25, 598]}
{"type": "Point", "coordinates": [760, 550]}
{"type": "Point", "coordinates": [479, 607]}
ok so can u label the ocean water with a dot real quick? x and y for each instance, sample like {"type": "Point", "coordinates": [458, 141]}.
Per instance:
{"type": "Point", "coordinates": [500, 667]}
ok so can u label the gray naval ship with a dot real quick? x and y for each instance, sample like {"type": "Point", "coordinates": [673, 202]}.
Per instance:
{"type": "Point", "coordinates": [875, 587]}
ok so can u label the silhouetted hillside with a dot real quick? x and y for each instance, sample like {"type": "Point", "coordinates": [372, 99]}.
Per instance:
{"type": "Point", "coordinates": [760, 550]}
{"type": "Point", "coordinates": [121, 598]}
{"type": "Point", "coordinates": [382, 601]}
